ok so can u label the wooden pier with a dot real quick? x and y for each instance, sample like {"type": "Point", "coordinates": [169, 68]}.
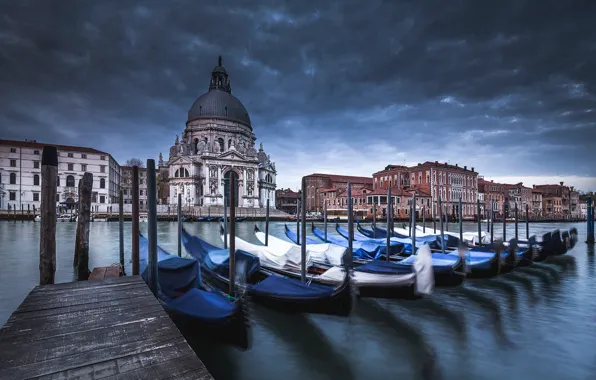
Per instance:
{"type": "Point", "coordinates": [105, 329]}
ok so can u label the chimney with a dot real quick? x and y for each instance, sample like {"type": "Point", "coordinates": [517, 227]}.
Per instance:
{"type": "Point", "coordinates": [492, 180]}
{"type": "Point", "coordinates": [446, 163]}
{"type": "Point", "coordinates": [465, 167]}
{"type": "Point", "coordinates": [436, 162]}
{"type": "Point", "coordinates": [472, 168]}
{"type": "Point", "coordinates": [457, 165]}
{"type": "Point", "coordinates": [561, 183]}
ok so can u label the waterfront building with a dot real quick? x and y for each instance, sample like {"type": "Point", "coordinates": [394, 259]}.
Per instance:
{"type": "Point", "coordinates": [448, 181]}
{"type": "Point", "coordinates": [317, 184]}
{"type": "Point", "coordinates": [574, 209]}
{"type": "Point", "coordinates": [337, 201]}
{"type": "Point", "coordinates": [583, 209]}
{"type": "Point", "coordinates": [552, 206]}
{"type": "Point", "coordinates": [397, 178]}
{"type": "Point", "coordinates": [286, 200]}
{"type": "Point", "coordinates": [494, 196]}
{"type": "Point", "coordinates": [520, 195]}
{"type": "Point", "coordinates": [126, 184]}
{"type": "Point", "coordinates": [561, 191]}
{"type": "Point", "coordinates": [536, 202]}
{"type": "Point", "coordinates": [20, 175]}
{"type": "Point", "coordinates": [219, 142]}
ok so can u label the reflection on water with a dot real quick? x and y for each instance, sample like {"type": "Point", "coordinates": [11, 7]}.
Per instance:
{"type": "Point", "coordinates": [535, 323]}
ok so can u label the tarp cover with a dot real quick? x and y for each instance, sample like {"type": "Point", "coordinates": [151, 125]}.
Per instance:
{"type": "Point", "coordinates": [175, 275]}
{"type": "Point", "coordinates": [283, 287]}
{"type": "Point", "coordinates": [294, 237]}
{"type": "Point", "coordinates": [208, 306]}
{"type": "Point", "coordinates": [425, 279]}
{"type": "Point", "coordinates": [384, 267]}
{"type": "Point", "coordinates": [373, 248]}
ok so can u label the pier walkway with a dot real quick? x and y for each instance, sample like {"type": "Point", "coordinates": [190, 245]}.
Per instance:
{"type": "Point", "coordinates": [106, 329]}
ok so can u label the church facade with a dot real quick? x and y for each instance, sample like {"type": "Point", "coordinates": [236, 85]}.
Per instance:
{"type": "Point", "coordinates": [218, 143]}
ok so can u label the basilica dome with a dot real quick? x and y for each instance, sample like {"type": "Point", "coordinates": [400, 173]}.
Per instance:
{"type": "Point", "coordinates": [219, 102]}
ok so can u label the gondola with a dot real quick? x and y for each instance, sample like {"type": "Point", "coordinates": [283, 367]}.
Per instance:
{"type": "Point", "coordinates": [194, 307]}
{"type": "Point", "coordinates": [238, 219]}
{"type": "Point", "coordinates": [265, 287]}
{"type": "Point", "coordinates": [373, 277]}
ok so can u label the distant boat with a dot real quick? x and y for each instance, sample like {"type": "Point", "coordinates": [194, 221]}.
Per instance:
{"type": "Point", "coordinates": [37, 218]}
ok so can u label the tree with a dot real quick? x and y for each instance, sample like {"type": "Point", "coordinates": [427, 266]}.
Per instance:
{"type": "Point", "coordinates": [135, 162]}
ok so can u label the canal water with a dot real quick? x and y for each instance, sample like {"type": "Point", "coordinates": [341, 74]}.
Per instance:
{"type": "Point", "coordinates": [537, 323]}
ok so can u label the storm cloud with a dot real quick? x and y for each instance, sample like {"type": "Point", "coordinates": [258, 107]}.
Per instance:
{"type": "Point", "coordinates": [343, 86]}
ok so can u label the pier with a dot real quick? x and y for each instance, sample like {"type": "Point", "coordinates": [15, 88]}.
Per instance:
{"type": "Point", "coordinates": [112, 328]}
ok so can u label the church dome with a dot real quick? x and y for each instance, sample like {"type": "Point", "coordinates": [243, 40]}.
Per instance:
{"type": "Point", "coordinates": [219, 102]}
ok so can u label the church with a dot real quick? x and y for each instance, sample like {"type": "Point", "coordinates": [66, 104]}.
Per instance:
{"type": "Point", "coordinates": [217, 143]}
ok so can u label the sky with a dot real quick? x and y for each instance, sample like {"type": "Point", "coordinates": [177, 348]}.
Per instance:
{"type": "Point", "coordinates": [338, 86]}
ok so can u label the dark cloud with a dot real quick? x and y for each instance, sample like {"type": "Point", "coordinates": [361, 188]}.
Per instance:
{"type": "Point", "coordinates": [508, 87]}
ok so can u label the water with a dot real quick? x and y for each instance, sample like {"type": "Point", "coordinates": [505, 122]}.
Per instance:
{"type": "Point", "coordinates": [536, 324]}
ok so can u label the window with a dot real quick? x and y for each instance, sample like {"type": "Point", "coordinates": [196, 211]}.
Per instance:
{"type": "Point", "coordinates": [35, 164]}
{"type": "Point", "coordinates": [58, 181]}
{"type": "Point", "coordinates": [220, 141]}
{"type": "Point", "coordinates": [13, 150]}
{"type": "Point", "coordinates": [141, 192]}
{"type": "Point", "coordinates": [36, 180]}
{"type": "Point", "coordinates": [102, 183]}
{"type": "Point", "coordinates": [102, 168]}
{"type": "Point", "coordinates": [36, 152]}
{"type": "Point", "coordinates": [13, 178]}
{"type": "Point", "coordinates": [84, 155]}
{"type": "Point", "coordinates": [70, 167]}
{"type": "Point", "coordinates": [103, 158]}
{"type": "Point", "coordinates": [35, 197]}
{"type": "Point", "coordinates": [13, 163]}
{"type": "Point", "coordinates": [84, 167]}
{"type": "Point", "coordinates": [70, 182]}
{"type": "Point", "coordinates": [102, 199]}
{"type": "Point", "coordinates": [70, 155]}
{"type": "Point", "coordinates": [57, 197]}
{"type": "Point", "coordinates": [12, 195]}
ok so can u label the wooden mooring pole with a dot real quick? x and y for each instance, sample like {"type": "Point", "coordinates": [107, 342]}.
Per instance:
{"type": "Point", "coordinates": [303, 235]}
{"type": "Point", "coordinates": [504, 223]}
{"type": "Point", "coordinates": [350, 226]}
{"type": "Point", "coordinates": [47, 212]}
{"type": "Point", "coordinates": [232, 244]}
{"type": "Point", "coordinates": [423, 219]}
{"type": "Point", "coordinates": [225, 212]}
{"type": "Point", "coordinates": [121, 229]}
{"type": "Point", "coordinates": [492, 223]}
{"type": "Point", "coordinates": [460, 215]}
{"type": "Point", "coordinates": [589, 220]}
{"type": "Point", "coordinates": [179, 224]}
{"type": "Point", "coordinates": [374, 221]}
{"type": "Point", "coordinates": [298, 221]}
{"type": "Point", "coordinates": [325, 217]}
{"type": "Point", "coordinates": [414, 224]}
{"type": "Point", "coordinates": [388, 214]}
{"type": "Point", "coordinates": [479, 222]}
{"type": "Point", "coordinates": [82, 237]}
{"type": "Point", "coordinates": [442, 232]}
{"type": "Point", "coordinates": [267, 224]}
{"type": "Point", "coordinates": [516, 221]}
{"type": "Point", "coordinates": [152, 227]}
{"type": "Point", "coordinates": [434, 214]}
{"type": "Point", "coordinates": [135, 220]}
{"type": "Point", "coordinates": [527, 222]}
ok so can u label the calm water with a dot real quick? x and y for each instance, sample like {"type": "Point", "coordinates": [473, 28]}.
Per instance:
{"type": "Point", "coordinates": [539, 323]}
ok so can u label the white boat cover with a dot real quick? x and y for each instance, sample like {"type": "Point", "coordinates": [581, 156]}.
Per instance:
{"type": "Point", "coordinates": [425, 282]}
{"type": "Point", "coordinates": [469, 237]}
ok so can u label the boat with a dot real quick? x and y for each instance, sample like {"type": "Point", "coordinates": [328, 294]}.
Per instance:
{"type": "Point", "coordinates": [238, 219]}
{"type": "Point", "coordinates": [196, 308]}
{"type": "Point", "coordinates": [37, 218]}
{"type": "Point", "coordinates": [282, 293]}
{"type": "Point", "coordinates": [470, 238]}
{"type": "Point", "coordinates": [375, 278]}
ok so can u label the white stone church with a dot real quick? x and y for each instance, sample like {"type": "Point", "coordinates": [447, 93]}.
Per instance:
{"type": "Point", "coordinates": [219, 142]}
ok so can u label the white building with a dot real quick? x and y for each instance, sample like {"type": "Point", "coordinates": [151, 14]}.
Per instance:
{"type": "Point", "coordinates": [219, 142]}
{"type": "Point", "coordinates": [20, 175]}
{"type": "Point", "coordinates": [583, 209]}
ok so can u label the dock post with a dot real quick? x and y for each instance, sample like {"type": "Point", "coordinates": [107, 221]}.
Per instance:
{"type": "Point", "coordinates": [374, 222]}
{"type": "Point", "coordinates": [516, 223]}
{"type": "Point", "coordinates": [434, 214]}
{"type": "Point", "coordinates": [225, 212]}
{"type": "Point", "coordinates": [47, 213]}
{"type": "Point", "coordinates": [527, 222]}
{"type": "Point", "coordinates": [298, 221]}
{"type": "Point", "coordinates": [267, 224]}
{"type": "Point", "coordinates": [180, 225]}
{"type": "Point", "coordinates": [442, 232]}
{"type": "Point", "coordinates": [479, 222]}
{"type": "Point", "coordinates": [446, 215]}
{"type": "Point", "coordinates": [489, 216]}
{"type": "Point", "coordinates": [589, 219]}
{"type": "Point", "coordinates": [303, 236]}
{"type": "Point", "coordinates": [82, 236]}
{"type": "Point", "coordinates": [423, 219]}
{"type": "Point", "coordinates": [410, 218]}
{"type": "Point", "coordinates": [152, 227]}
{"type": "Point", "coordinates": [492, 223]}
{"type": "Point", "coordinates": [325, 217]}
{"type": "Point", "coordinates": [135, 220]}
{"type": "Point", "coordinates": [414, 224]}
{"type": "Point", "coordinates": [232, 244]}
{"type": "Point", "coordinates": [461, 227]}
{"type": "Point", "coordinates": [388, 235]}
{"type": "Point", "coordinates": [121, 229]}
{"type": "Point", "coordinates": [350, 228]}
{"type": "Point", "coordinates": [504, 224]}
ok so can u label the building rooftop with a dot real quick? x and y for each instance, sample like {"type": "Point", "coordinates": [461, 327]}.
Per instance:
{"type": "Point", "coordinates": [35, 144]}
{"type": "Point", "coordinates": [344, 178]}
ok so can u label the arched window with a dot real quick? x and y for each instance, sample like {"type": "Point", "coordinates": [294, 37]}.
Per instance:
{"type": "Point", "coordinates": [229, 142]}
{"type": "Point", "coordinates": [220, 141]}
{"type": "Point", "coordinates": [70, 181]}
{"type": "Point", "coordinates": [13, 178]}
{"type": "Point", "coordinates": [196, 144]}
{"type": "Point", "coordinates": [177, 173]}
{"type": "Point", "coordinates": [58, 181]}
{"type": "Point", "coordinates": [102, 183]}
{"type": "Point", "coordinates": [36, 180]}
{"type": "Point", "coordinates": [186, 173]}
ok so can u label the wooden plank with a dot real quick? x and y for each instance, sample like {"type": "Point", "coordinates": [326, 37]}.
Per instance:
{"type": "Point", "coordinates": [98, 273]}
{"type": "Point", "coordinates": [112, 328]}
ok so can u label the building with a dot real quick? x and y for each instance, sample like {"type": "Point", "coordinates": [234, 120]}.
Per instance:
{"type": "Point", "coordinates": [20, 175]}
{"type": "Point", "coordinates": [126, 184]}
{"type": "Point", "coordinates": [317, 184]}
{"type": "Point", "coordinates": [519, 195]}
{"type": "Point", "coordinates": [552, 206]}
{"type": "Point", "coordinates": [217, 143]}
{"type": "Point", "coordinates": [574, 209]}
{"type": "Point", "coordinates": [449, 182]}
{"type": "Point", "coordinates": [583, 209]}
{"type": "Point", "coordinates": [337, 201]}
{"type": "Point", "coordinates": [536, 202]}
{"type": "Point", "coordinates": [494, 197]}
{"type": "Point", "coordinates": [561, 191]}
{"type": "Point", "coordinates": [286, 200]}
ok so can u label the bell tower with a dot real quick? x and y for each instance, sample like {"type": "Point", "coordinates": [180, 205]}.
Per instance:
{"type": "Point", "coordinates": [219, 78]}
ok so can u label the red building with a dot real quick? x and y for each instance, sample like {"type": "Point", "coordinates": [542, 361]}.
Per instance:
{"type": "Point", "coordinates": [286, 200]}
{"type": "Point", "coordinates": [557, 191]}
{"type": "Point", "coordinates": [316, 183]}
